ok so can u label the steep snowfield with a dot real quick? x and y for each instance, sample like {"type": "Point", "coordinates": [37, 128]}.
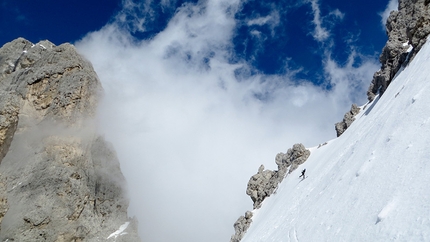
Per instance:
{"type": "Point", "coordinates": [370, 184]}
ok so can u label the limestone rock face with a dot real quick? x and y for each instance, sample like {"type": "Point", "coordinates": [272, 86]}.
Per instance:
{"type": "Point", "coordinates": [407, 31]}
{"type": "Point", "coordinates": [54, 81]}
{"type": "Point", "coordinates": [348, 118]}
{"type": "Point", "coordinates": [241, 226]}
{"type": "Point", "coordinates": [406, 28]}
{"type": "Point", "coordinates": [289, 161]}
{"type": "Point", "coordinates": [59, 179]}
{"type": "Point", "coordinates": [265, 182]}
{"type": "Point", "coordinates": [261, 185]}
{"type": "Point", "coordinates": [9, 107]}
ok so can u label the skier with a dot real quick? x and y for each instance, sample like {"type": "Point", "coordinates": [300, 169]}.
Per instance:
{"type": "Point", "coordinates": [303, 174]}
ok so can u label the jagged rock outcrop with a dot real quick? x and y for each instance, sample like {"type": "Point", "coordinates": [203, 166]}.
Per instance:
{"type": "Point", "coordinates": [265, 182]}
{"type": "Point", "coordinates": [407, 27]}
{"type": "Point", "coordinates": [261, 185]}
{"type": "Point", "coordinates": [288, 162]}
{"type": "Point", "coordinates": [407, 31]}
{"type": "Point", "coordinates": [9, 107]}
{"type": "Point", "coordinates": [59, 179]}
{"type": "Point", "coordinates": [348, 118]}
{"type": "Point", "coordinates": [241, 226]}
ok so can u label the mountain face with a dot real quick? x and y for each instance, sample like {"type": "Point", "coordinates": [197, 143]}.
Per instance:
{"type": "Point", "coordinates": [370, 183]}
{"type": "Point", "coordinates": [59, 179]}
{"type": "Point", "coordinates": [407, 29]}
{"type": "Point", "coordinates": [265, 183]}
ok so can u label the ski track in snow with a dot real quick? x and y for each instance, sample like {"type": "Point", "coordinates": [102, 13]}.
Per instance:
{"type": "Point", "coordinates": [370, 184]}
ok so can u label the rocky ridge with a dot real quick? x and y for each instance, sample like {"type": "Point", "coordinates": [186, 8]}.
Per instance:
{"type": "Point", "coordinates": [348, 118]}
{"type": "Point", "coordinates": [407, 31]}
{"type": "Point", "coordinates": [59, 179]}
{"type": "Point", "coordinates": [265, 182]}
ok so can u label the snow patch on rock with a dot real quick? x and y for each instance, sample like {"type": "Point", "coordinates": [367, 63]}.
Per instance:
{"type": "Point", "coordinates": [120, 231]}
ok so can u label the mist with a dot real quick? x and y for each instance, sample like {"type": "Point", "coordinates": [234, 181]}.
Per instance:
{"type": "Point", "coordinates": [191, 122]}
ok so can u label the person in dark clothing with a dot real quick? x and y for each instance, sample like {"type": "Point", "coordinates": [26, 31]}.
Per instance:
{"type": "Point", "coordinates": [303, 174]}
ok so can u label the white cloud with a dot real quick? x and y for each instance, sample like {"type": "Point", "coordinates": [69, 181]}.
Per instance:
{"type": "Point", "coordinates": [259, 21]}
{"type": "Point", "coordinates": [190, 130]}
{"type": "Point", "coordinates": [391, 6]}
{"type": "Point", "coordinates": [358, 76]}
{"type": "Point", "coordinates": [256, 33]}
{"type": "Point", "coordinates": [272, 20]}
{"type": "Point", "coordinates": [337, 13]}
{"type": "Point", "coordinates": [259, 37]}
{"type": "Point", "coordinates": [168, 3]}
{"type": "Point", "coordinates": [135, 14]}
{"type": "Point", "coordinates": [321, 32]}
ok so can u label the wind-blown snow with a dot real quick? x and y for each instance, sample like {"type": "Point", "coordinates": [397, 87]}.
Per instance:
{"type": "Point", "coordinates": [370, 184]}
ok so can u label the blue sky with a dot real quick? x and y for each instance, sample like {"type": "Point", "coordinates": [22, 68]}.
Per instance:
{"type": "Point", "coordinates": [59, 22]}
{"type": "Point", "coordinates": [283, 39]}
{"type": "Point", "coordinates": [199, 94]}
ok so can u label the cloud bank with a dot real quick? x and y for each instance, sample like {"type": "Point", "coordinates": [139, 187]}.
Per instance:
{"type": "Point", "coordinates": [191, 122]}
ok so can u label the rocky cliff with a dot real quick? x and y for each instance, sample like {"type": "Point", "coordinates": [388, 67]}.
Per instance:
{"type": "Point", "coordinates": [407, 31]}
{"type": "Point", "coordinates": [348, 118]}
{"type": "Point", "coordinates": [265, 183]}
{"type": "Point", "coordinates": [59, 179]}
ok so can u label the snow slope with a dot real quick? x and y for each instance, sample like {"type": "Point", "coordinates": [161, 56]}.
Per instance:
{"type": "Point", "coordinates": [370, 184]}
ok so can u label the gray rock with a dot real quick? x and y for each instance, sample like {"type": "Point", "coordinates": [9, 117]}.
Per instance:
{"type": "Point", "coordinates": [260, 186]}
{"type": "Point", "coordinates": [9, 108]}
{"type": "Point", "coordinates": [348, 118]}
{"type": "Point", "coordinates": [59, 179]}
{"type": "Point", "coordinates": [241, 226]}
{"type": "Point", "coordinates": [265, 182]}
{"type": "Point", "coordinates": [55, 81]}
{"type": "Point", "coordinates": [410, 24]}
{"type": "Point", "coordinates": [407, 27]}
{"type": "Point", "coordinates": [289, 161]}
